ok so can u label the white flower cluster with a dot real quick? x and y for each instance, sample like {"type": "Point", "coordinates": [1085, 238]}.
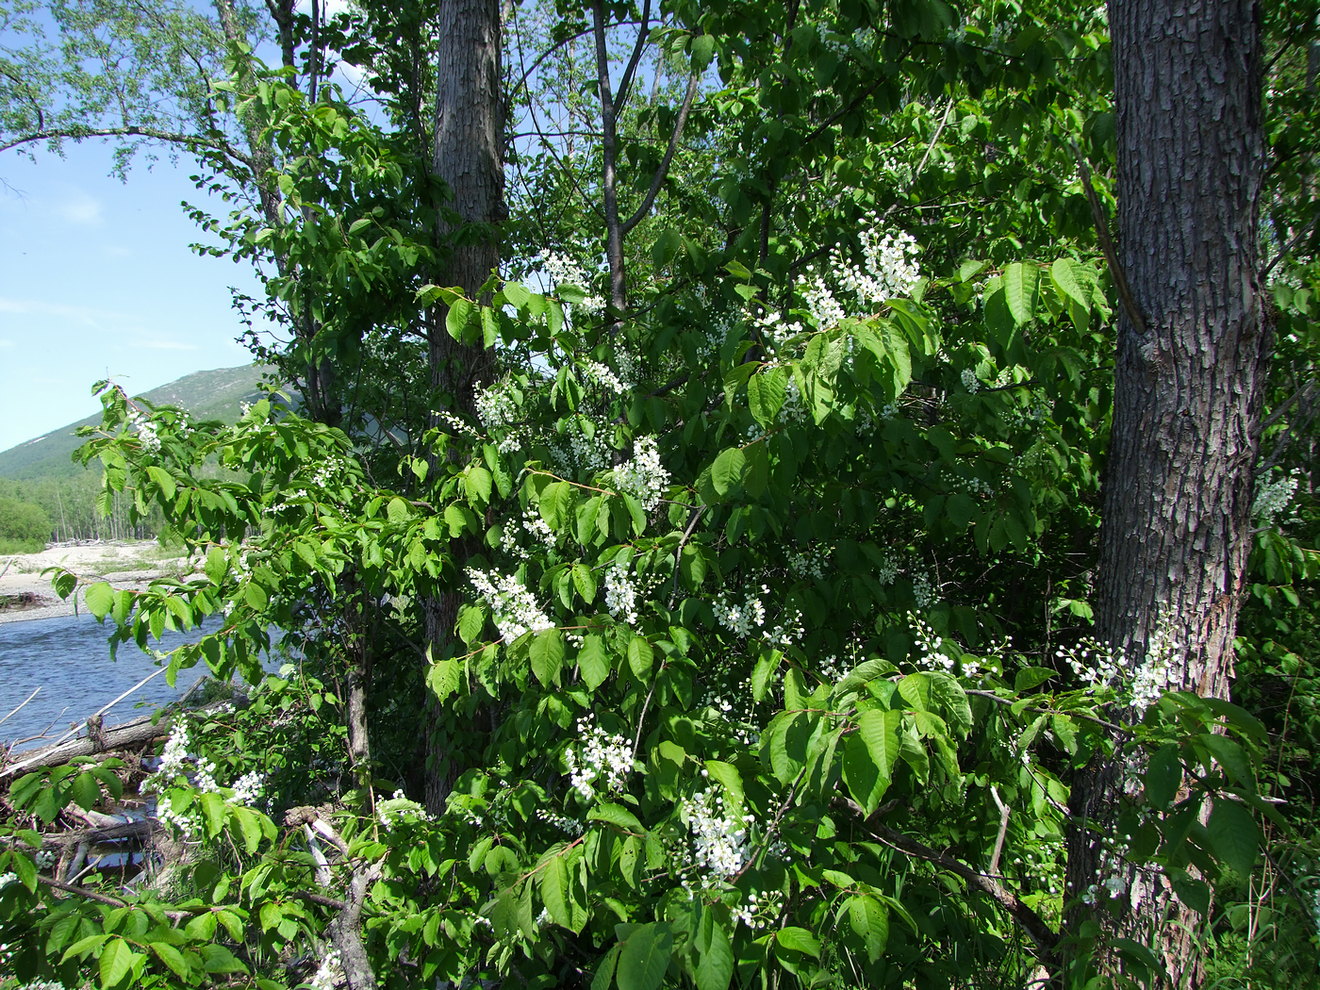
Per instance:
{"type": "Point", "coordinates": [970, 381]}
{"type": "Point", "coordinates": [176, 761]}
{"type": "Point", "coordinates": [760, 909]}
{"type": "Point", "coordinates": [741, 618]}
{"type": "Point", "coordinates": [1095, 664]}
{"type": "Point", "coordinates": [778, 331]}
{"type": "Point", "coordinates": [398, 807]}
{"type": "Point", "coordinates": [559, 270]}
{"type": "Point", "coordinates": [147, 435]}
{"type": "Point", "coordinates": [331, 469]}
{"type": "Point", "coordinates": [825, 310]}
{"type": "Point", "coordinates": [496, 405]}
{"type": "Point", "coordinates": [643, 477]}
{"type": "Point", "coordinates": [1164, 654]}
{"type": "Point", "coordinates": [808, 564]}
{"type": "Point", "coordinates": [719, 838]}
{"type": "Point", "coordinates": [602, 764]}
{"type": "Point", "coordinates": [44, 859]}
{"type": "Point", "coordinates": [513, 607]}
{"type": "Point", "coordinates": [1272, 497]}
{"type": "Point", "coordinates": [889, 266]}
{"type": "Point", "coordinates": [787, 631]}
{"type": "Point", "coordinates": [330, 973]}
{"type": "Point", "coordinates": [924, 590]}
{"type": "Point", "coordinates": [931, 654]}
{"type": "Point", "coordinates": [569, 826]}
{"type": "Point", "coordinates": [603, 376]}
{"type": "Point", "coordinates": [532, 525]}
{"type": "Point", "coordinates": [621, 593]}
{"type": "Point", "coordinates": [580, 449]}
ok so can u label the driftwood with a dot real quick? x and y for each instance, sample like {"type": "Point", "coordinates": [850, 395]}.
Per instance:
{"type": "Point", "coordinates": [130, 734]}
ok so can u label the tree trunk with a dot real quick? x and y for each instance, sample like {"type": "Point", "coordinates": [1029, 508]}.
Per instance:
{"type": "Point", "coordinates": [1189, 376]}
{"type": "Point", "coordinates": [469, 145]}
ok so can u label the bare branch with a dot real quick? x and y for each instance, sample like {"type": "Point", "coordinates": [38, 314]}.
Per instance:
{"type": "Point", "coordinates": [660, 173]}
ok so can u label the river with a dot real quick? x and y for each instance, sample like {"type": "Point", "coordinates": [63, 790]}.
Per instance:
{"type": "Point", "coordinates": [68, 659]}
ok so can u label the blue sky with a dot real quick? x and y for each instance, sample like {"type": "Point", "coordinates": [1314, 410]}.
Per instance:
{"type": "Point", "coordinates": [97, 280]}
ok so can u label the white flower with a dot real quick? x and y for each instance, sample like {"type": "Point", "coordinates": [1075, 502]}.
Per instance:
{"type": "Point", "coordinates": [602, 764]}
{"type": "Point", "coordinates": [643, 477]}
{"type": "Point", "coordinates": [719, 839]}
{"type": "Point", "coordinates": [513, 607]}
{"type": "Point", "coordinates": [621, 593]}
{"type": "Point", "coordinates": [247, 789]}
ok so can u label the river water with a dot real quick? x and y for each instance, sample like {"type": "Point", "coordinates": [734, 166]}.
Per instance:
{"type": "Point", "coordinates": [68, 659]}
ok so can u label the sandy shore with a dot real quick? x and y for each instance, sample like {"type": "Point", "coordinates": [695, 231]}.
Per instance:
{"type": "Point", "coordinates": [124, 565]}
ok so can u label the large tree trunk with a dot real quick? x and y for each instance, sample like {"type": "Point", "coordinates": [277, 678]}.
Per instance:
{"type": "Point", "coordinates": [1192, 352]}
{"type": "Point", "coordinates": [469, 144]}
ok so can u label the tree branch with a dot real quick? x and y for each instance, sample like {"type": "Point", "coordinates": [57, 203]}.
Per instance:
{"type": "Point", "coordinates": [660, 173]}
{"type": "Point", "coordinates": [152, 133]}
{"type": "Point", "coordinates": [1045, 938]}
{"type": "Point", "coordinates": [630, 72]}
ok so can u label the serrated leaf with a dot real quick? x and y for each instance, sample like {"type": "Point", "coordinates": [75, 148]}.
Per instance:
{"type": "Point", "coordinates": [869, 920]}
{"type": "Point", "coordinates": [641, 656]}
{"type": "Point", "coordinates": [553, 883]}
{"type": "Point", "coordinates": [714, 969]}
{"type": "Point", "coordinates": [1067, 277]}
{"type": "Point", "coordinates": [547, 655]}
{"type": "Point", "coordinates": [172, 958]}
{"type": "Point", "coordinates": [1234, 836]}
{"type": "Point", "coordinates": [593, 662]}
{"type": "Point", "coordinates": [585, 582]}
{"type": "Point", "coordinates": [114, 962]}
{"type": "Point", "coordinates": [644, 956]}
{"type": "Point", "coordinates": [799, 940]}
{"type": "Point", "coordinates": [726, 474]}
{"type": "Point", "coordinates": [1163, 776]}
{"type": "Point", "coordinates": [766, 393]}
{"type": "Point", "coordinates": [1020, 291]}
{"type": "Point", "coordinates": [99, 598]}
{"type": "Point", "coordinates": [444, 678]}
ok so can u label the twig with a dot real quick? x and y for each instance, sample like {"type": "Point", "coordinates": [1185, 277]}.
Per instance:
{"type": "Point", "coordinates": [1045, 938]}
{"type": "Point", "coordinates": [1004, 811]}
{"type": "Point", "coordinates": [34, 693]}
{"type": "Point", "coordinates": [1107, 244]}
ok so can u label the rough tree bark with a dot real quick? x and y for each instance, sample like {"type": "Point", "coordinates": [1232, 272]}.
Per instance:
{"type": "Point", "coordinates": [469, 157]}
{"type": "Point", "coordinates": [1193, 346]}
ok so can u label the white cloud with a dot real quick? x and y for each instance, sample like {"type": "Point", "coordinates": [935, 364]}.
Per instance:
{"type": "Point", "coordinates": [79, 208]}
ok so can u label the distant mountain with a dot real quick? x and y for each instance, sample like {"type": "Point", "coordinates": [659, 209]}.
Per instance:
{"type": "Point", "coordinates": [205, 394]}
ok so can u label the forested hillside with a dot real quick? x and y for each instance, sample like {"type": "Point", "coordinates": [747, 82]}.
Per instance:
{"type": "Point", "coordinates": [807, 494]}
{"type": "Point", "coordinates": [43, 471]}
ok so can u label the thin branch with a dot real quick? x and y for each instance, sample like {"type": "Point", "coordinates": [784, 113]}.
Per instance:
{"type": "Point", "coordinates": [663, 170]}
{"type": "Point", "coordinates": [1107, 244]}
{"type": "Point", "coordinates": [1045, 937]}
{"type": "Point", "coordinates": [153, 133]}
{"type": "Point", "coordinates": [1287, 249]}
{"type": "Point", "coordinates": [629, 73]}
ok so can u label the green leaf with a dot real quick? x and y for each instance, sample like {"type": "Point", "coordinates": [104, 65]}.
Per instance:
{"type": "Point", "coordinates": [714, 954]}
{"type": "Point", "coordinates": [726, 474]}
{"type": "Point", "coordinates": [616, 814]}
{"type": "Point", "coordinates": [164, 481]}
{"type": "Point", "coordinates": [1234, 837]}
{"type": "Point", "coordinates": [547, 656]}
{"type": "Point", "coordinates": [444, 678]}
{"type": "Point", "coordinates": [641, 656]}
{"type": "Point", "coordinates": [861, 774]}
{"type": "Point", "coordinates": [593, 662]}
{"type": "Point", "coordinates": [1067, 275]}
{"type": "Point", "coordinates": [766, 393]}
{"type": "Point", "coordinates": [644, 956]}
{"type": "Point", "coordinates": [115, 961]}
{"type": "Point", "coordinates": [703, 51]}
{"type": "Point", "coordinates": [85, 791]}
{"type": "Point", "coordinates": [459, 318]}
{"type": "Point", "coordinates": [585, 582]}
{"type": "Point", "coordinates": [553, 883]}
{"type": "Point", "coordinates": [218, 959]}
{"type": "Point", "coordinates": [1163, 775]}
{"type": "Point", "coordinates": [471, 621]}
{"type": "Point", "coordinates": [555, 503]}
{"type": "Point", "coordinates": [870, 922]}
{"type": "Point", "coordinates": [477, 484]}
{"type": "Point", "coordinates": [1020, 291]}
{"type": "Point", "coordinates": [100, 598]}
{"type": "Point", "coordinates": [799, 940]}
{"type": "Point", "coordinates": [174, 959]}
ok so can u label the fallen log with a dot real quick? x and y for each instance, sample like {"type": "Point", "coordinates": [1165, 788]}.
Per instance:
{"type": "Point", "coordinates": [135, 733]}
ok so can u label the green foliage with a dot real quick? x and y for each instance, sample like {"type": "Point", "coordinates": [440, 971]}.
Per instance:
{"type": "Point", "coordinates": [747, 626]}
{"type": "Point", "coordinates": [24, 527]}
